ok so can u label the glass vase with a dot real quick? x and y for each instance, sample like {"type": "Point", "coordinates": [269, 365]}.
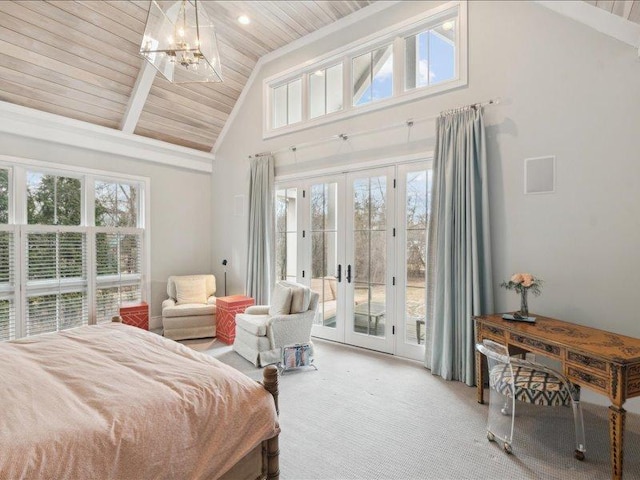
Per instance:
{"type": "Point", "coordinates": [524, 305]}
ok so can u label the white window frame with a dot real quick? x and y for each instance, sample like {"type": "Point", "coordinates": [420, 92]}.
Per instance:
{"type": "Point", "coordinates": [394, 34]}
{"type": "Point", "coordinates": [18, 168]}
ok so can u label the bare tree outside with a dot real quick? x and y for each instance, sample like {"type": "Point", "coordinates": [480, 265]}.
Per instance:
{"type": "Point", "coordinates": [4, 196]}
{"type": "Point", "coordinates": [286, 233]}
{"type": "Point", "coordinates": [417, 217]}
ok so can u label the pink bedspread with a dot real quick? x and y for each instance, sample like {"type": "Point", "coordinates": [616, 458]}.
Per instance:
{"type": "Point", "coordinates": [117, 402]}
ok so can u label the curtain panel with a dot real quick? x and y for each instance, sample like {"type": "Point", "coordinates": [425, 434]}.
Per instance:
{"type": "Point", "coordinates": [261, 230]}
{"type": "Point", "coordinates": [458, 252]}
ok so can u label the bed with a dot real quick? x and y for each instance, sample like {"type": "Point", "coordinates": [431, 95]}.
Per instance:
{"type": "Point", "coordinates": [117, 402]}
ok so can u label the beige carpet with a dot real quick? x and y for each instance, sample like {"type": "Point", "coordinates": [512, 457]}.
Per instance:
{"type": "Point", "coordinates": [372, 416]}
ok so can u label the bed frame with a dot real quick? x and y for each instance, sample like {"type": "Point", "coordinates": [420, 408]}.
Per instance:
{"type": "Point", "coordinates": [271, 447]}
{"type": "Point", "coordinates": [261, 463]}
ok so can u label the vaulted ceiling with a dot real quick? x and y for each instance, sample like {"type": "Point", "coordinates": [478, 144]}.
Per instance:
{"type": "Point", "coordinates": [79, 59]}
{"type": "Point", "coordinates": [627, 9]}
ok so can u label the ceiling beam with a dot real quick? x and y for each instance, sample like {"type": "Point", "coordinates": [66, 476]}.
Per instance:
{"type": "Point", "coordinates": [48, 127]}
{"type": "Point", "coordinates": [138, 97]}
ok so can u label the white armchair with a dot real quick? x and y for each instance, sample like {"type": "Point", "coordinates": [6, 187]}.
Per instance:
{"type": "Point", "coordinates": [190, 310]}
{"type": "Point", "coordinates": [262, 331]}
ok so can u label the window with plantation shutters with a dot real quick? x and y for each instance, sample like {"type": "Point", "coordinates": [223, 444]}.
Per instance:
{"type": "Point", "coordinates": [119, 270]}
{"type": "Point", "coordinates": [57, 284]}
{"type": "Point", "coordinates": [72, 246]}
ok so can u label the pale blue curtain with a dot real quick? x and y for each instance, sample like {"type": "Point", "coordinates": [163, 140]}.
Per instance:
{"type": "Point", "coordinates": [261, 226]}
{"type": "Point", "coordinates": [458, 251]}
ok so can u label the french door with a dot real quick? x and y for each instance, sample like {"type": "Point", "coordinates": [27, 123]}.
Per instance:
{"type": "Point", "coordinates": [368, 233]}
{"type": "Point", "coordinates": [359, 240]}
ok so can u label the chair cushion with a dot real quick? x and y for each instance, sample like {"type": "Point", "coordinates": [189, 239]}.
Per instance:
{"type": "Point", "coordinates": [189, 310]}
{"type": "Point", "coordinates": [531, 386]}
{"type": "Point", "coordinates": [254, 324]}
{"type": "Point", "coordinates": [300, 297]}
{"type": "Point", "coordinates": [190, 290]}
{"type": "Point", "coordinates": [280, 300]}
{"type": "Point", "coordinates": [210, 283]}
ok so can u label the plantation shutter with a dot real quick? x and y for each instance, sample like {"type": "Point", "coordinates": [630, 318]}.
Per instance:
{"type": "Point", "coordinates": [119, 271]}
{"type": "Point", "coordinates": [7, 285]}
{"type": "Point", "coordinates": [56, 280]}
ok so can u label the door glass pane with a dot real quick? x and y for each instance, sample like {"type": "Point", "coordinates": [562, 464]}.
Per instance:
{"type": "Point", "coordinates": [370, 253]}
{"type": "Point", "coordinates": [286, 234]}
{"type": "Point", "coordinates": [324, 244]}
{"type": "Point", "coordinates": [378, 203]}
{"type": "Point", "coordinates": [418, 185]}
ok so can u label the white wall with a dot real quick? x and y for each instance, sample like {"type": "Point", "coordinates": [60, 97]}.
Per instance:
{"type": "Point", "coordinates": [180, 207]}
{"type": "Point", "coordinates": [567, 90]}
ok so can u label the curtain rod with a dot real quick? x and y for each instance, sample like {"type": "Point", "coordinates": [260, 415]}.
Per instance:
{"type": "Point", "coordinates": [262, 154]}
{"type": "Point", "coordinates": [408, 123]}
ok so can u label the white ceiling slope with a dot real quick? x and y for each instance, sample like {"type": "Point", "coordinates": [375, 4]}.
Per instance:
{"type": "Point", "coordinates": [619, 19]}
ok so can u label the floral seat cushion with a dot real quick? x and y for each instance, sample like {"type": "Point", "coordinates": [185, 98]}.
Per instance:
{"type": "Point", "coordinates": [531, 386]}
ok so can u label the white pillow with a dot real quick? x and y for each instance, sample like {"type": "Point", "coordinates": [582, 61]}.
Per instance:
{"type": "Point", "coordinates": [300, 297]}
{"type": "Point", "coordinates": [280, 300]}
{"type": "Point", "coordinates": [191, 290]}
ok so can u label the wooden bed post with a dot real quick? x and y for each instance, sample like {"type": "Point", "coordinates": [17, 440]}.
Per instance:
{"type": "Point", "coordinates": [270, 382]}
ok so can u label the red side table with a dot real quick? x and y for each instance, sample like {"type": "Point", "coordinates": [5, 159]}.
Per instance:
{"type": "Point", "coordinates": [226, 310]}
{"type": "Point", "coordinates": [136, 314]}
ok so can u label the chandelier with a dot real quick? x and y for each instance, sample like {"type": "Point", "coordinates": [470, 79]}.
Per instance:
{"type": "Point", "coordinates": [180, 42]}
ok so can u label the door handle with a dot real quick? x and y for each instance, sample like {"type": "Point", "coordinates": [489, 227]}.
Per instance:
{"type": "Point", "coordinates": [349, 273]}
{"type": "Point", "coordinates": [339, 273]}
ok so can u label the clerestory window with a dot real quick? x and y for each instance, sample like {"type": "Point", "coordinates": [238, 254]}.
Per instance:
{"type": "Point", "coordinates": [422, 56]}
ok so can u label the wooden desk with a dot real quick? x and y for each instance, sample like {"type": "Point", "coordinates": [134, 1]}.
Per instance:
{"type": "Point", "coordinates": [595, 359]}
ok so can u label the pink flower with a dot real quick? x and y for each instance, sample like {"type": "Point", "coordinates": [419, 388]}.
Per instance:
{"type": "Point", "coordinates": [527, 280]}
{"type": "Point", "coordinates": [517, 278]}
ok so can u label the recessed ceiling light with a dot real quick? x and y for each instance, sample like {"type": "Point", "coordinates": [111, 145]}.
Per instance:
{"type": "Point", "coordinates": [244, 20]}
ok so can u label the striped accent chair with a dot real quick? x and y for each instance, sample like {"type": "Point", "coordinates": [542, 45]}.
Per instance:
{"type": "Point", "coordinates": [513, 379]}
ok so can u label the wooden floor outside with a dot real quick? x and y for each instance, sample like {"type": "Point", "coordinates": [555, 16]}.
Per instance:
{"type": "Point", "coordinates": [361, 327]}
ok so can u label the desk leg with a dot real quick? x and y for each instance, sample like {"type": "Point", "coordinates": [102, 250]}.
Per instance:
{"type": "Point", "coordinates": [480, 376]}
{"type": "Point", "coordinates": [616, 431]}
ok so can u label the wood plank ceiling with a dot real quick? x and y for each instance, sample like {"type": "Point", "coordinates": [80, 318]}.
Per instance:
{"type": "Point", "coordinates": [79, 59]}
{"type": "Point", "coordinates": [627, 9]}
